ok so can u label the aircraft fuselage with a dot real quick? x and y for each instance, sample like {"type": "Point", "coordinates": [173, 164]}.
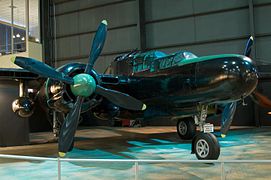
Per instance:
{"type": "Point", "coordinates": [204, 80]}
{"type": "Point", "coordinates": [171, 85]}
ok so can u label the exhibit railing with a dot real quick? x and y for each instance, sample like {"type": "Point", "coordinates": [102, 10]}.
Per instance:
{"type": "Point", "coordinates": [61, 168]}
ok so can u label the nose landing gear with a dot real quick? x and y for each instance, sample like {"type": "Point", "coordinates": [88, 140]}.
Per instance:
{"type": "Point", "coordinates": [204, 144]}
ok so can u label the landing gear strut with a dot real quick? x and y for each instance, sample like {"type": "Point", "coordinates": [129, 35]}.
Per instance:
{"type": "Point", "coordinates": [205, 145]}
{"type": "Point", "coordinates": [58, 119]}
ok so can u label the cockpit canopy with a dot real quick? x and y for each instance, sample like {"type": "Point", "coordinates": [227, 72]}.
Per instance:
{"type": "Point", "coordinates": [152, 61]}
{"type": "Point", "coordinates": [150, 54]}
{"type": "Point", "coordinates": [153, 55]}
{"type": "Point", "coordinates": [159, 54]}
{"type": "Point", "coordinates": [188, 55]}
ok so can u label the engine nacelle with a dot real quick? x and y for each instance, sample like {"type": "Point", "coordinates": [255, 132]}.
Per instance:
{"type": "Point", "coordinates": [23, 107]}
{"type": "Point", "coordinates": [59, 96]}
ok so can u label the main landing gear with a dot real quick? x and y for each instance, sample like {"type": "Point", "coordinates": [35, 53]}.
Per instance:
{"type": "Point", "coordinates": [204, 144]}
{"type": "Point", "coordinates": [186, 128]}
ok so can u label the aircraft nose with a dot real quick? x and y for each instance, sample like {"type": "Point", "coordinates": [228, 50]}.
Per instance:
{"type": "Point", "coordinates": [243, 70]}
{"type": "Point", "coordinates": [249, 71]}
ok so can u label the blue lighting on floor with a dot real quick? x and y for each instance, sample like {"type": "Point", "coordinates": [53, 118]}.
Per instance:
{"type": "Point", "coordinates": [138, 143]}
{"type": "Point", "coordinates": [162, 141]}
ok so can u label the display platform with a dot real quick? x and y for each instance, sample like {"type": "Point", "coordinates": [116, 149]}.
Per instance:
{"type": "Point", "coordinates": [154, 143]}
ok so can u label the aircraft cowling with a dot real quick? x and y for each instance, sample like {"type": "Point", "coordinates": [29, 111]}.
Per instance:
{"type": "Point", "coordinates": [23, 107]}
{"type": "Point", "coordinates": [58, 95]}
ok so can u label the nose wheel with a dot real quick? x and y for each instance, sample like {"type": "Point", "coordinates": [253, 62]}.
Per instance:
{"type": "Point", "coordinates": [206, 146]}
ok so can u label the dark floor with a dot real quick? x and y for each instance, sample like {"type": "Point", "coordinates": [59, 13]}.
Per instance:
{"type": "Point", "coordinates": [140, 143]}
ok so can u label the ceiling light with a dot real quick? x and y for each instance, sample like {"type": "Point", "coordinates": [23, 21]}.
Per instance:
{"type": "Point", "coordinates": [23, 38]}
{"type": "Point", "coordinates": [13, 36]}
{"type": "Point", "coordinates": [18, 35]}
{"type": "Point", "coordinates": [269, 113]}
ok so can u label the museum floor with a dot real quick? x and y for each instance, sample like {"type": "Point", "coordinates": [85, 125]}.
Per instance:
{"type": "Point", "coordinates": [140, 143]}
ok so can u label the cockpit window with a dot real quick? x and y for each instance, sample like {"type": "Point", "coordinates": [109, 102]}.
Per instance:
{"type": "Point", "coordinates": [150, 55]}
{"type": "Point", "coordinates": [144, 61]}
{"type": "Point", "coordinates": [159, 54]}
{"type": "Point", "coordinates": [189, 55]}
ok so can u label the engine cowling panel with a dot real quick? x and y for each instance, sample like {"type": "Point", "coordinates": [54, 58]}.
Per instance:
{"type": "Point", "coordinates": [59, 95]}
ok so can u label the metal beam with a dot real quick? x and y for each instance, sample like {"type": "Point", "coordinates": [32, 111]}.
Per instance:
{"type": "Point", "coordinates": [91, 7]}
{"type": "Point", "coordinates": [47, 32]}
{"type": "Point", "coordinates": [27, 24]}
{"type": "Point", "coordinates": [54, 36]}
{"type": "Point", "coordinates": [252, 26]}
{"type": "Point", "coordinates": [253, 55]}
{"type": "Point", "coordinates": [141, 24]}
{"type": "Point", "coordinates": [12, 30]}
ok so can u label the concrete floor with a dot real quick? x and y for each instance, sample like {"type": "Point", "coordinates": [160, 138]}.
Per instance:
{"type": "Point", "coordinates": [139, 143]}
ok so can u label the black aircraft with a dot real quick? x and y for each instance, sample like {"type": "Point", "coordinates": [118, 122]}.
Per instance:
{"type": "Point", "coordinates": [180, 85]}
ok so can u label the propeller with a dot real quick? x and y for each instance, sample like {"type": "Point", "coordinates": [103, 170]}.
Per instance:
{"type": "Point", "coordinates": [121, 99]}
{"type": "Point", "coordinates": [40, 68]}
{"type": "Point", "coordinates": [69, 126]}
{"type": "Point", "coordinates": [85, 85]}
{"type": "Point", "coordinates": [82, 85]}
{"type": "Point", "coordinates": [256, 96]}
{"type": "Point", "coordinates": [97, 45]}
{"type": "Point", "coordinates": [260, 99]}
{"type": "Point", "coordinates": [227, 117]}
{"type": "Point", "coordinates": [248, 46]}
{"type": "Point", "coordinates": [230, 108]}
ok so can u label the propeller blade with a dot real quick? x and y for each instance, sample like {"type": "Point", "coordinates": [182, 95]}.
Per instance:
{"type": "Point", "coordinates": [121, 99]}
{"type": "Point", "coordinates": [227, 117]}
{"type": "Point", "coordinates": [69, 127]}
{"type": "Point", "coordinates": [41, 69]}
{"type": "Point", "coordinates": [248, 46]}
{"type": "Point", "coordinates": [97, 45]}
{"type": "Point", "coordinates": [260, 99]}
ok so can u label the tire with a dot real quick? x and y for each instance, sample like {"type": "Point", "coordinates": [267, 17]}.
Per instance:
{"type": "Point", "coordinates": [186, 128]}
{"type": "Point", "coordinates": [206, 146]}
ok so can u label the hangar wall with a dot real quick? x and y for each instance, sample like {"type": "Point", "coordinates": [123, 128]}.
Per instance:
{"type": "Point", "coordinates": [204, 27]}
{"type": "Point", "coordinates": [77, 21]}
